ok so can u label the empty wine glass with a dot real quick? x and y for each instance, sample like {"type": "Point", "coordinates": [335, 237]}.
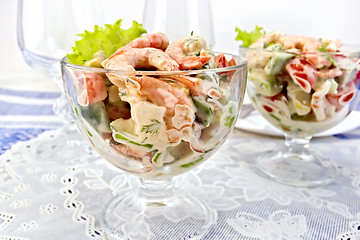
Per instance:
{"type": "Point", "coordinates": [178, 18]}
{"type": "Point", "coordinates": [45, 31]}
{"type": "Point", "coordinates": [294, 94]}
{"type": "Point", "coordinates": [167, 126]}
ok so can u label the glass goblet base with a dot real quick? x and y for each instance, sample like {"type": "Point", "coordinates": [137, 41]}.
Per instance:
{"type": "Point", "coordinates": [295, 170]}
{"type": "Point", "coordinates": [156, 211]}
{"type": "Point", "coordinates": [295, 165]}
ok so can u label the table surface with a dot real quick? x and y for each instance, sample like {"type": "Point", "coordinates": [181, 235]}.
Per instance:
{"type": "Point", "coordinates": [35, 201]}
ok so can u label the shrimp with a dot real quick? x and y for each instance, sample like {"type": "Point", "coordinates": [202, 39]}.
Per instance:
{"type": "Point", "coordinates": [333, 45]}
{"type": "Point", "coordinates": [189, 52]}
{"type": "Point", "coordinates": [329, 73]}
{"type": "Point", "coordinates": [266, 39]}
{"type": "Point", "coordinates": [310, 47]}
{"type": "Point", "coordinates": [192, 83]}
{"type": "Point", "coordinates": [127, 58]}
{"type": "Point", "coordinates": [162, 93]}
{"type": "Point", "coordinates": [179, 109]}
{"type": "Point", "coordinates": [155, 40]}
{"type": "Point", "coordinates": [302, 43]}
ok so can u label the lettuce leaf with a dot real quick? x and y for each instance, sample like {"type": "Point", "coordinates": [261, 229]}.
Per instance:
{"type": "Point", "coordinates": [109, 39]}
{"type": "Point", "coordinates": [249, 38]}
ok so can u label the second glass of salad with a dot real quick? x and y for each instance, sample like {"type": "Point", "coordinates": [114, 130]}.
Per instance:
{"type": "Point", "coordinates": [302, 86]}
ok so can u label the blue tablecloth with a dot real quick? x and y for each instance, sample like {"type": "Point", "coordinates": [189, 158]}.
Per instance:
{"type": "Point", "coordinates": [24, 115]}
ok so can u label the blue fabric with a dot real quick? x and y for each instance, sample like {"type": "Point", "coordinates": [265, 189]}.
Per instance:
{"type": "Point", "coordinates": [25, 109]}
{"type": "Point", "coordinates": [12, 131]}
{"type": "Point", "coordinates": [10, 136]}
{"type": "Point", "coordinates": [348, 135]}
{"type": "Point", "coordinates": [32, 94]}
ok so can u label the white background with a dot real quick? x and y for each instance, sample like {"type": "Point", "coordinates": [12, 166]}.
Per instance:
{"type": "Point", "coordinates": [319, 18]}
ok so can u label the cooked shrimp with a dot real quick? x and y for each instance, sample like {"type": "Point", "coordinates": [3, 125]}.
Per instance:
{"type": "Point", "coordinates": [266, 39]}
{"type": "Point", "coordinates": [128, 58]}
{"type": "Point", "coordinates": [329, 73]}
{"type": "Point", "coordinates": [189, 52]}
{"type": "Point", "coordinates": [302, 43]}
{"type": "Point", "coordinates": [155, 40]}
{"type": "Point", "coordinates": [333, 45]}
{"type": "Point", "coordinates": [310, 46]}
{"type": "Point", "coordinates": [192, 83]}
{"type": "Point", "coordinates": [179, 107]}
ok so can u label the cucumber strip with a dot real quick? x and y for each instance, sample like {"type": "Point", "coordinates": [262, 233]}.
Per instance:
{"type": "Point", "coordinates": [96, 115]}
{"type": "Point", "coordinates": [129, 139]}
{"type": "Point", "coordinates": [277, 62]}
{"type": "Point", "coordinates": [265, 84]}
{"type": "Point", "coordinates": [157, 159]}
{"type": "Point", "coordinates": [229, 114]}
{"type": "Point", "coordinates": [187, 165]}
{"type": "Point", "coordinates": [204, 110]}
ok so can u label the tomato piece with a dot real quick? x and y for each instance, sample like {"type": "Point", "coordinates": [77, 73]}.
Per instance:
{"type": "Point", "coordinates": [343, 96]}
{"type": "Point", "coordinates": [90, 88]}
{"type": "Point", "coordinates": [302, 73]}
{"type": "Point", "coordinates": [221, 61]}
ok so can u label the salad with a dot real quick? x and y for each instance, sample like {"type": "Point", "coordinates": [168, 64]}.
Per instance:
{"type": "Point", "coordinates": [302, 85]}
{"type": "Point", "coordinates": [150, 106]}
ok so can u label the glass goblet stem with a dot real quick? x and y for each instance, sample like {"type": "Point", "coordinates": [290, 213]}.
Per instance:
{"type": "Point", "coordinates": [158, 191]}
{"type": "Point", "coordinates": [297, 146]}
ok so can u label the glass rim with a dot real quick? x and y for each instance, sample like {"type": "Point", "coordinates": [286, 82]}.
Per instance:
{"type": "Point", "coordinates": [238, 66]}
{"type": "Point", "coordinates": [355, 50]}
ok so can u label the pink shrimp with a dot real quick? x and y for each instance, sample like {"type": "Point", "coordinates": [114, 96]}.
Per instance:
{"type": "Point", "coordinates": [192, 83]}
{"type": "Point", "coordinates": [333, 45]}
{"type": "Point", "coordinates": [164, 94]}
{"type": "Point", "coordinates": [155, 40]}
{"type": "Point", "coordinates": [302, 43]}
{"type": "Point", "coordinates": [266, 40]}
{"type": "Point", "coordinates": [128, 58]}
{"type": "Point", "coordinates": [329, 73]}
{"type": "Point", "coordinates": [189, 52]}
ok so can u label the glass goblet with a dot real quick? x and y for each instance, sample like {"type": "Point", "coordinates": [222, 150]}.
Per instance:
{"type": "Point", "coordinates": [45, 30]}
{"type": "Point", "coordinates": [167, 127]}
{"type": "Point", "coordinates": [285, 96]}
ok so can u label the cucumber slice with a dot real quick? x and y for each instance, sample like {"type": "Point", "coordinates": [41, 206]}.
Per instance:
{"type": "Point", "coordinates": [277, 62]}
{"type": "Point", "coordinates": [123, 137]}
{"type": "Point", "coordinates": [265, 84]}
{"type": "Point", "coordinates": [196, 161]}
{"type": "Point", "coordinates": [96, 115]}
{"type": "Point", "coordinates": [204, 110]}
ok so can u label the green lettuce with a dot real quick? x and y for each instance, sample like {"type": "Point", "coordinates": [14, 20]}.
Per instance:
{"type": "Point", "coordinates": [109, 40]}
{"type": "Point", "coordinates": [249, 38]}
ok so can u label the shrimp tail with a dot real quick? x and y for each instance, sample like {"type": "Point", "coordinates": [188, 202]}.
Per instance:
{"type": "Point", "coordinates": [192, 83]}
{"type": "Point", "coordinates": [192, 62]}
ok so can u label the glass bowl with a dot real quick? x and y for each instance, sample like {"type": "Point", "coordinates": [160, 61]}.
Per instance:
{"type": "Point", "coordinates": [156, 125]}
{"type": "Point", "coordinates": [294, 94]}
